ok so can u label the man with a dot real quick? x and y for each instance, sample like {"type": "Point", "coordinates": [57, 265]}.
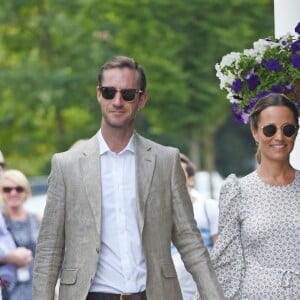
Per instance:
{"type": "Point", "coordinates": [115, 202]}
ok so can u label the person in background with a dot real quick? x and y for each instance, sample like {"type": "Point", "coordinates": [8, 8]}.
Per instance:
{"type": "Point", "coordinates": [257, 254]}
{"type": "Point", "coordinates": [7, 269]}
{"type": "Point", "coordinates": [115, 202]}
{"type": "Point", "coordinates": [206, 210]}
{"type": "Point", "coordinates": [11, 257]}
{"type": "Point", "coordinates": [206, 215]}
{"type": "Point", "coordinates": [22, 226]}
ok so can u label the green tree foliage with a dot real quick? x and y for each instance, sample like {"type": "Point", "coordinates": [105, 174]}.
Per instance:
{"type": "Point", "coordinates": [51, 50]}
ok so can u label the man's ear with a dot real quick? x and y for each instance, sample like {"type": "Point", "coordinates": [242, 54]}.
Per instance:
{"type": "Point", "coordinates": [98, 93]}
{"type": "Point", "coordinates": [143, 100]}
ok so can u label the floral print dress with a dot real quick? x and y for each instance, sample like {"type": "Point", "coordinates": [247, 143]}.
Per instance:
{"type": "Point", "coordinates": [257, 255]}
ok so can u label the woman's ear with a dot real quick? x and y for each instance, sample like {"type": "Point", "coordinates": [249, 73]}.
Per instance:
{"type": "Point", "coordinates": [254, 132]}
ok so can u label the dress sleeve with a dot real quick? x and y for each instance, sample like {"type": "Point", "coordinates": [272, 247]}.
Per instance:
{"type": "Point", "coordinates": [227, 254]}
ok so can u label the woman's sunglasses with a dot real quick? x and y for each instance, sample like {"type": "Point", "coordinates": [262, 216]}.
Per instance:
{"type": "Point", "coordinates": [109, 92]}
{"type": "Point", "coordinates": [288, 130]}
{"type": "Point", "coordinates": [8, 189]}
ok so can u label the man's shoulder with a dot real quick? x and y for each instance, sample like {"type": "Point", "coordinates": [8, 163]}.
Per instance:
{"type": "Point", "coordinates": [78, 148]}
{"type": "Point", "coordinates": [150, 144]}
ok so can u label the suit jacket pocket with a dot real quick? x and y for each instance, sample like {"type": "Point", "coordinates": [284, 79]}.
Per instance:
{"type": "Point", "coordinates": [68, 276]}
{"type": "Point", "coordinates": [169, 271]}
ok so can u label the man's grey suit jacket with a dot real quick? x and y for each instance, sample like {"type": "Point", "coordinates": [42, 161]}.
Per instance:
{"type": "Point", "coordinates": [69, 240]}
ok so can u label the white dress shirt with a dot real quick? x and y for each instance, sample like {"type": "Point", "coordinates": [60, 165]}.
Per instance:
{"type": "Point", "coordinates": [121, 266]}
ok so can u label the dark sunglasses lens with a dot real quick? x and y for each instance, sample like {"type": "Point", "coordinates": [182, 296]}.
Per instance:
{"type": "Point", "coordinates": [108, 92]}
{"type": "Point", "coordinates": [269, 130]}
{"type": "Point", "coordinates": [7, 189]}
{"type": "Point", "coordinates": [2, 164]}
{"type": "Point", "coordinates": [128, 94]}
{"type": "Point", "coordinates": [289, 130]}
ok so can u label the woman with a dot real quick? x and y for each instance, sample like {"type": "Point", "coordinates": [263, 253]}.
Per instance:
{"type": "Point", "coordinates": [257, 255]}
{"type": "Point", "coordinates": [23, 226]}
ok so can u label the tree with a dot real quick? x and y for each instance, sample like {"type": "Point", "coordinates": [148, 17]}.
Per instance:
{"type": "Point", "coordinates": [51, 52]}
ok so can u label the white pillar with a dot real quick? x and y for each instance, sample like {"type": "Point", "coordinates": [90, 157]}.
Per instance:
{"type": "Point", "coordinates": [286, 17]}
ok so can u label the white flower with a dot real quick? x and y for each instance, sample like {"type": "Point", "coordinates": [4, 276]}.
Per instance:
{"type": "Point", "coordinates": [231, 98]}
{"type": "Point", "coordinates": [229, 59]}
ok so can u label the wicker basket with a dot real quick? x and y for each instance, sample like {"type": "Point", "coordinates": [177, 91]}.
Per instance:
{"type": "Point", "coordinates": [295, 95]}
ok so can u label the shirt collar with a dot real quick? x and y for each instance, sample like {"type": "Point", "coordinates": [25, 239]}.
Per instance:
{"type": "Point", "coordinates": [104, 147]}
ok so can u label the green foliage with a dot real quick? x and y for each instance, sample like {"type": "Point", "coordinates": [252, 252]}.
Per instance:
{"type": "Point", "coordinates": [51, 51]}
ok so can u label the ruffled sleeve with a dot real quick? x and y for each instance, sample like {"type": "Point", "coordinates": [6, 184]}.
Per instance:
{"type": "Point", "coordinates": [227, 254]}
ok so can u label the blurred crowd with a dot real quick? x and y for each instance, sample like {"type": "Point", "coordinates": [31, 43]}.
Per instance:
{"type": "Point", "coordinates": [18, 235]}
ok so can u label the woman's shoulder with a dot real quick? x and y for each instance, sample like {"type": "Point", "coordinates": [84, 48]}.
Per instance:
{"type": "Point", "coordinates": [35, 218]}
{"type": "Point", "coordinates": [231, 184]}
{"type": "Point", "coordinates": [232, 189]}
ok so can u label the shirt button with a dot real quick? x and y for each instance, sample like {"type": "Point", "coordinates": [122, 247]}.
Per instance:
{"type": "Point", "coordinates": [98, 250]}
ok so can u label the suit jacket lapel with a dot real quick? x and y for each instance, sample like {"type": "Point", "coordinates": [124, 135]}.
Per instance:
{"type": "Point", "coordinates": [90, 170]}
{"type": "Point", "coordinates": [145, 162]}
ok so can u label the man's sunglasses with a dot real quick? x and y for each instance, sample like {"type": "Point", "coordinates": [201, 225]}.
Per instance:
{"type": "Point", "coordinates": [109, 92]}
{"type": "Point", "coordinates": [2, 164]}
{"type": "Point", "coordinates": [288, 130]}
{"type": "Point", "coordinates": [8, 189]}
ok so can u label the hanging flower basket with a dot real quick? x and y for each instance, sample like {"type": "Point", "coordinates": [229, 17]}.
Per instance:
{"type": "Point", "coordinates": [271, 66]}
{"type": "Point", "coordinates": [294, 93]}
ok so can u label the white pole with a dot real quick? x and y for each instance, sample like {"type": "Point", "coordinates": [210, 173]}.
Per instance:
{"type": "Point", "coordinates": [286, 17]}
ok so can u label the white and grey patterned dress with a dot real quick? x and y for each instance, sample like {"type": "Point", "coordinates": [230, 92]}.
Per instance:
{"type": "Point", "coordinates": [257, 256]}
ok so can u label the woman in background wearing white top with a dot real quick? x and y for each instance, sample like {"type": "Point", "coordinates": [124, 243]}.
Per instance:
{"type": "Point", "coordinates": [206, 215]}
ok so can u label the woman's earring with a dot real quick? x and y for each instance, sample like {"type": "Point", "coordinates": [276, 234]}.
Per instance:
{"type": "Point", "coordinates": [256, 142]}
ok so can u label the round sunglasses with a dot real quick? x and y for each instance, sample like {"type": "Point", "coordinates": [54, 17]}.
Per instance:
{"type": "Point", "coordinates": [109, 92]}
{"type": "Point", "coordinates": [288, 129]}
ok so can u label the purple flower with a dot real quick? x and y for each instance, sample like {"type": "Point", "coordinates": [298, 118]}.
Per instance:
{"type": "Point", "coordinates": [252, 80]}
{"type": "Point", "coordinates": [297, 28]}
{"type": "Point", "coordinates": [236, 113]}
{"type": "Point", "coordinates": [295, 60]}
{"type": "Point", "coordinates": [262, 94]}
{"type": "Point", "coordinates": [276, 89]}
{"type": "Point", "coordinates": [245, 117]}
{"type": "Point", "coordinates": [289, 87]}
{"type": "Point", "coordinates": [295, 46]}
{"type": "Point", "coordinates": [237, 85]}
{"type": "Point", "coordinates": [273, 65]}
{"type": "Point", "coordinates": [252, 102]}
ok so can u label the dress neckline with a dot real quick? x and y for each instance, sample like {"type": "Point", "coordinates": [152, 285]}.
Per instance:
{"type": "Point", "coordinates": [274, 185]}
